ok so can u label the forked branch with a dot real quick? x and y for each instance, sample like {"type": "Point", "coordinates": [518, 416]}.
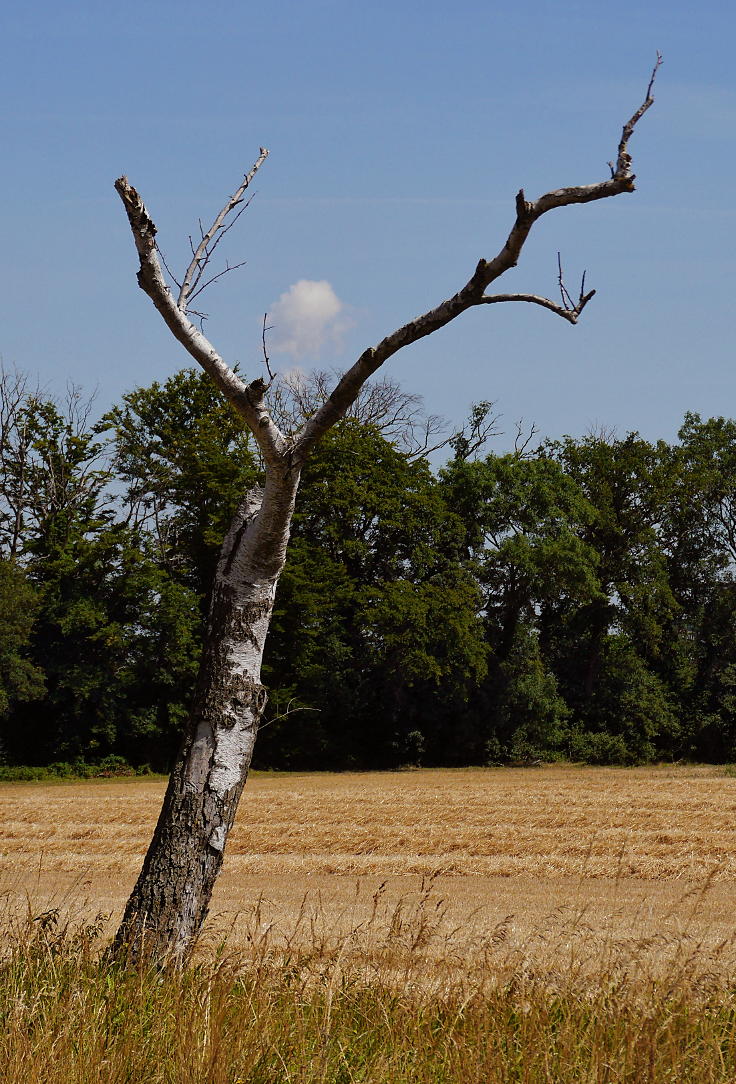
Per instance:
{"type": "Point", "coordinates": [248, 399]}
{"type": "Point", "coordinates": [487, 271]}
{"type": "Point", "coordinates": [569, 309]}
{"type": "Point", "coordinates": [202, 255]}
{"type": "Point", "coordinates": [570, 313]}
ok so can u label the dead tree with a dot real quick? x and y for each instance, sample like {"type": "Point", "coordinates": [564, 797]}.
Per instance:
{"type": "Point", "coordinates": [171, 897]}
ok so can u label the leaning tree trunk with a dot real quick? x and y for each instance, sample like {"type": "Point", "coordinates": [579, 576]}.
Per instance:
{"type": "Point", "coordinates": [171, 898]}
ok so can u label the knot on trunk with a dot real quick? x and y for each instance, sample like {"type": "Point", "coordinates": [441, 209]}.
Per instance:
{"type": "Point", "coordinates": [245, 698]}
{"type": "Point", "coordinates": [260, 695]}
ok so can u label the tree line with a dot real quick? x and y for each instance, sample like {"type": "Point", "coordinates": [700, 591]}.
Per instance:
{"type": "Point", "coordinates": [575, 599]}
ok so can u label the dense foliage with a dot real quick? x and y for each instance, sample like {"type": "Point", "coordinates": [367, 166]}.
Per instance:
{"type": "Point", "coordinates": [576, 600]}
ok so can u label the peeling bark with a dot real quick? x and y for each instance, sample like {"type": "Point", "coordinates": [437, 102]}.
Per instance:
{"type": "Point", "coordinates": [171, 898]}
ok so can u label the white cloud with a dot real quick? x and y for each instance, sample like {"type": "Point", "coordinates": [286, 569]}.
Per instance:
{"type": "Point", "coordinates": [308, 319]}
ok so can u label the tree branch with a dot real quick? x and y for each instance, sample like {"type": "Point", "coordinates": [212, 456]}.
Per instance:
{"type": "Point", "coordinates": [486, 271]}
{"type": "Point", "coordinates": [248, 399]}
{"type": "Point", "coordinates": [569, 314]}
{"type": "Point", "coordinates": [213, 278]}
{"type": "Point", "coordinates": [623, 158]}
{"type": "Point", "coordinates": [266, 359]}
{"type": "Point", "coordinates": [210, 240]}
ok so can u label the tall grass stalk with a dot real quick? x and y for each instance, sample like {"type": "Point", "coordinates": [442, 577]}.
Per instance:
{"type": "Point", "coordinates": [393, 1000]}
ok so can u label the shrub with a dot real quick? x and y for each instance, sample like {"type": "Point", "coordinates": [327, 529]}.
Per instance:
{"type": "Point", "coordinates": [601, 749]}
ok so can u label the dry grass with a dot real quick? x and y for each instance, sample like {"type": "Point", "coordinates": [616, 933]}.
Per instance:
{"type": "Point", "coordinates": [67, 1020]}
{"type": "Point", "coordinates": [387, 1001]}
{"type": "Point", "coordinates": [493, 925]}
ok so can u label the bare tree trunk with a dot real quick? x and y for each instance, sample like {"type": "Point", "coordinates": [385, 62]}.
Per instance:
{"type": "Point", "coordinates": [171, 898]}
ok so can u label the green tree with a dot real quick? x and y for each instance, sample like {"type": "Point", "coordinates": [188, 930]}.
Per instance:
{"type": "Point", "coordinates": [20, 680]}
{"type": "Point", "coordinates": [628, 483]}
{"type": "Point", "coordinates": [523, 520]}
{"type": "Point", "coordinates": [185, 458]}
{"type": "Point", "coordinates": [114, 638]}
{"type": "Point", "coordinates": [700, 541]}
{"type": "Point", "coordinates": [64, 509]}
{"type": "Point", "coordinates": [376, 623]}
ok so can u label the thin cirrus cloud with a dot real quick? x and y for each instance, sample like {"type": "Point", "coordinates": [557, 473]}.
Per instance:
{"type": "Point", "coordinates": [309, 320]}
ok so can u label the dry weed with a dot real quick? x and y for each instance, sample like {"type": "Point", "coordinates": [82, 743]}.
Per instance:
{"type": "Point", "coordinates": [381, 1001]}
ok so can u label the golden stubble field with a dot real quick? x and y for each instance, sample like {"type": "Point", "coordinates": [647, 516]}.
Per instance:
{"type": "Point", "coordinates": [591, 861]}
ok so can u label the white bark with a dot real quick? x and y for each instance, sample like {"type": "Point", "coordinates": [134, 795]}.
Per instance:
{"type": "Point", "coordinates": [170, 900]}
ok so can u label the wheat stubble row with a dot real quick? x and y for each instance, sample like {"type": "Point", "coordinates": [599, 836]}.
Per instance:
{"type": "Point", "coordinates": [624, 847]}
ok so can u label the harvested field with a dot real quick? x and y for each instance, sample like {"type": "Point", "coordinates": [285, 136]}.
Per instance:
{"type": "Point", "coordinates": [582, 858]}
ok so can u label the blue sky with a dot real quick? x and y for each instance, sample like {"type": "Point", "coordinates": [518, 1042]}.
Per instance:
{"type": "Point", "coordinates": [399, 134]}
